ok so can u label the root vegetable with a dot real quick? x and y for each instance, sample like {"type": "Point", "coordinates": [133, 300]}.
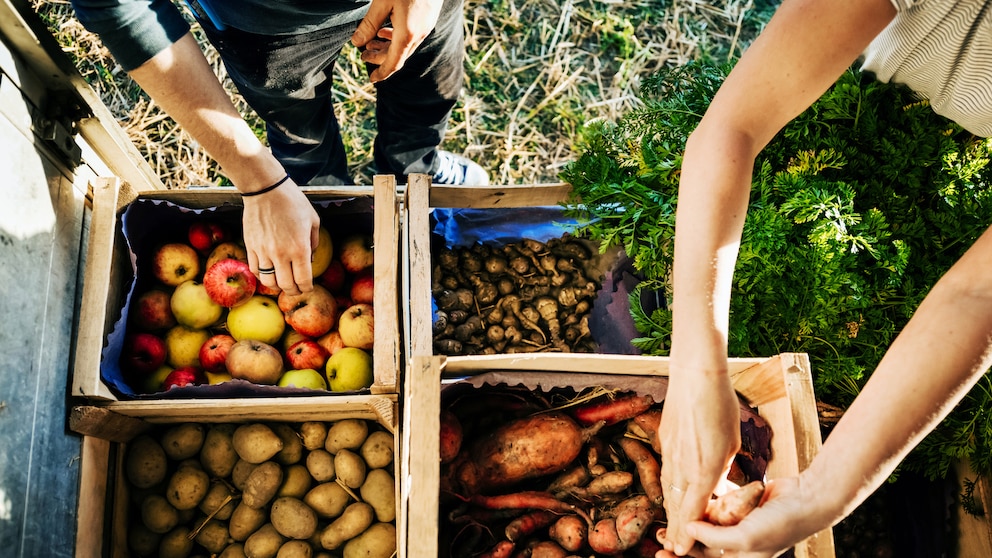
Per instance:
{"type": "Point", "coordinates": [614, 410]}
{"type": "Point", "coordinates": [503, 549]}
{"type": "Point", "coordinates": [611, 482]}
{"type": "Point", "coordinates": [575, 477]}
{"type": "Point", "coordinates": [603, 537]}
{"type": "Point", "coordinates": [648, 468]}
{"type": "Point", "coordinates": [451, 436]}
{"type": "Point", "coordinates": [528, 524]}
{"type": "Point", "coordinates": [733, 506]}
{"type": "Point", "coordinates": [570, 532]}
{"type": "Point", "coordinates": [633, 516]}
{"type": "Point", "coordinates": [547, 308]}
{"type": "Point", "coordinates": [648, 423]}
{"type": "Point", "coordinates": [547, 549]}
{"type": "Point", "coordinates": [529, 500]}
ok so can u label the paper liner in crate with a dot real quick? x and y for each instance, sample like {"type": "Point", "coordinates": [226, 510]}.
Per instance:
{"type": "Point", "coordinates": [147, 224]}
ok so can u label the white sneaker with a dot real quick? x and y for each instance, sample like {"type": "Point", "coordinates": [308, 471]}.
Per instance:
{"type": "Point", "coordinates": [456, 170]}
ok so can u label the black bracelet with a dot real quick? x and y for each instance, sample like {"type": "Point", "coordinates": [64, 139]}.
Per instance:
{"type": "Point", "coordinates": [266, 189]}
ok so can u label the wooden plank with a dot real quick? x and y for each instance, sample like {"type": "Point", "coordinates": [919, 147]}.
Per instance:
{"type": "Point", "coordinates": [421, 448]}
{"type": "Point", "coordinates": [526, 195]}
{"type": "Point", "coordinates": [92, 509]}
{"type": "Point", "coordinates": [454, 366]}
{"type": "Point", "coordinates": [103, 423]}
{"type": "Point", "coordinates": [419, 262]}
{"type": "Point", "coordinates": [386, 242]}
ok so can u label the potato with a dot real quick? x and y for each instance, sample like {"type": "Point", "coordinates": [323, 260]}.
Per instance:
{"type": "Point", "coordinates": [187, 488]}
{"type": "Point", "coordinates": [213, 536]}
{"type": "Point", "coordinates": [217, 455]}
{"type": "Point", "coordinates": [264, 543]}
{"type": "Point", "coordinates": [245, 520]}
{"type": "Point", "coordinates": [240, 473]}
{"type": "Point", "coordinates": [293, 518]}
{"type": "Point", "coordinates": [378, 541]}
{"type": "Point", "coordinates": [141, 540]}
{"type": "Point", "coordinates": [296, 481]}
{"type": "Point", "coordinates": [346, 434]}
{"type": "Point", "coordinates": [327, 499]}
{"type": "Point", "coordinates": [320, 463]}
{"type": "Point", "coordinates": [295, 549]}
{"type": "Point", "coordinates": [183, 441]}
{"type": "Point", "coordinates": [256, 442]}
{"type": "Point", "coordinates": [379, 491]}
{"type": "Point", "coordinates": [219, 499]}
{"type": "Point", "coordinates": [292, 445]}
{"type": "Point", "coordinates": [349, 468]}
{"type": "Point", "coordinates": [146, 464]}
{"type": "Point", "coordinates": [158, 515]}
{"type": "Point", "coordinates": [356, 518]}
{"type": "Point", "coordinates": [262, 484]}
{"type": "Point", "coordinates": [313, 434]}
{"type": "Point", "coordinates": [377, 450]}
{"type": "Point", "coordinates": [176, 543]}
{"type": "Point", "coordinates": [233, 550]}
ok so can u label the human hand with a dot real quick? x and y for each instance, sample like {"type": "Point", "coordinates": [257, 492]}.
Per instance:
{"type": "Point", "coordinates": [281, 231]}
{"type": "Point", "coordinates": [411, 20]}
{"type": "Point", "coordinates": [699, 435]}
{"type": "Point", "coordinates": [782, 520]}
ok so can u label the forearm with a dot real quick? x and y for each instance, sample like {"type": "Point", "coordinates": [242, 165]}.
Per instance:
{"type": "Point", "coordinates": [181, 81]}
{"type": "Point", "coordinates": [935, 360]}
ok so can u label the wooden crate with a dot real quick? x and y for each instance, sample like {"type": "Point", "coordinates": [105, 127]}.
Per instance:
{"type": "Point", "coordinates": [780, 387]}
{"type": "Point", "coordinates": [108, 273]}
{"type": "Point", "coordinates": [104, 509]}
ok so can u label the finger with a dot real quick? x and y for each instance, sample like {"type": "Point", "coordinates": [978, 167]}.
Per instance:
{"type": "Point", "coordinates": [711, 536]}
{"type": "Point", "coordinates": [286, 278]}
{"type": "Point", "coordinates": [399, 50]}
{"type": "Point", "coordinates": [375, 52]}
{"type": "Point", "coordinates": [303, 274]}
{"type": "Point", "coordinates": [370, 24]}
{"type": "Point", "coordinates": [690, 508]}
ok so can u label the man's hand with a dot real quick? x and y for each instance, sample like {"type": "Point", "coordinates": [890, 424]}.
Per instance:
{"type": "Point", "coordinates": [280, 231]}
{"type": "Point", "coordinates": [411, 21]}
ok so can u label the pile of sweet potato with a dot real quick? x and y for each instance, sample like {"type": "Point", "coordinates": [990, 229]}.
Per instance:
{"type": "Point", "coordinates": [549, 475]}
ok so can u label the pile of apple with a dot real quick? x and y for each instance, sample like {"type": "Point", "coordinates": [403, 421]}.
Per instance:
{"type": "Point", "coordinates": [206, 319]}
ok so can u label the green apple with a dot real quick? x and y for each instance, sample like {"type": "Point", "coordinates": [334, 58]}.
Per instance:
{"type": "Point", "coordinates": [193, 307]}
{"type": "Point", "coordinates": [153, 382]}
{"type": "Point", "coordinates": [183, 344]}
{"type": "Point", "coordinates": [349, 369]}
{"type": "Point", "coordinates": [303, 378]}
{"type": "Point", "coordinates": [259, 318]}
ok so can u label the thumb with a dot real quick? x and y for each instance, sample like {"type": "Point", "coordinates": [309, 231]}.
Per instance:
{"type": "Point", "coordinates": [370, 24]}
{"type": "Point", "coordinates": [709, 535]}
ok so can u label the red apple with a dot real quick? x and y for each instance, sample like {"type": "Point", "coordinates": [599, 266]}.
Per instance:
{"type": "Point", "coordinates": [143, 353]}
{"type": "Point", "coordinates": [357, 327]}
{"type": "Point", "coordinates": [331, 341]}
{"type": "Point", "coordinates": [307, 354]}
{"type": "Point", "coordinates": [262, 289]}
{"type": "Point", "coordinates": [213, 353]}
{"type": "Point", "coordinates": [312, 313]}
{"type": "Point", "coordinates": [334, 276]}
{"type": "Point", "coordinates": [362, 286]}
{"type": "Point", "coordinates": [343, 301]}
{"type": "Point", "coordinates": [185, 376]}
{"type": "Point", "coordinates": [230, 282]}
{"type": "Point", "coordinates": [175, 263]}
{"type": "Point", "coordinates": [255, 362]}
{"type": "Point", "coordinates": [355, 252]}
{"type": "Point", "coordinates": [152, 310]}
{"type": "Point", "coordinates": [204, 236]}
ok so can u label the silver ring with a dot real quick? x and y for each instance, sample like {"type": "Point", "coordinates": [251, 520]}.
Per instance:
{"type": "Point", "coordinates": [266, 271]}
{"type": "Point", "coordinates": [674, 488]}
{"type": "Point", "coordinates": [722, 551]}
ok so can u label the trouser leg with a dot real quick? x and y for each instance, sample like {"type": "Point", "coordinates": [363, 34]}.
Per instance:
{"type": "Point", "coordinates": [413, 104]}
{"type": "Point", "coordinates": [287, 81]}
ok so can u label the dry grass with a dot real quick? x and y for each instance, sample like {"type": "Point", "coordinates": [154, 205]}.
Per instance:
{"type": "Point", "coordinates": [536, 72]}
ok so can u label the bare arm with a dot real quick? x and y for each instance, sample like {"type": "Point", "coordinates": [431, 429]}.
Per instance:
{"type": "Point", "coordinates": [805, 47]}
{"type": "Point", "coordinates": [280, 227]}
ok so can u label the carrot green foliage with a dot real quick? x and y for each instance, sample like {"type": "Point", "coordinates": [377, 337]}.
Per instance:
{"type": "Point", "coordinates": [857, 207]}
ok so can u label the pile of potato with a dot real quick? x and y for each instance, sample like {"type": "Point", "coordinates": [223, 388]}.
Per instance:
{"type": "Point", "coordinates": [262, 490]}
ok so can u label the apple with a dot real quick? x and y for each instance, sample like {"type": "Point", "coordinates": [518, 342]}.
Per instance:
{"type": "Point", "coordinates": [152, 310]}
{"type": "Point", "coordinates": [185, 376]}
{"type": "Point", "coordinates": [322, 253]}
{"type": "Point", "coordinates": [183, 344]}
{"type": "Point", "coordinates": [259, 318]}
{"type": "Point", "coordinates": [303, 378]}
{"type": "Point", "coordinates": [175, 263]}
{"type": "Point", "coordinates": [193, 307]}
{"type": "Point", "coordinates": [214, 378]}
{"type": "Point", "coordinates": [362, 286]}
{"type": "Point", "coordinates": [204, 236]}
{"type": "Point", "coordinates": [333, 277]}
{"type": "Point", "coordinates": [355, 252]}
{"type": "Point", "coordinates": [311, 313]}
{"type": "Point", "coordinates": [331, 341]}
{"type": "Point", "coordinates": [230, 282]}
{"type": "Point", "coordinates": [153, 382]}
{"type": "Point", "coordinates": [343, 301]}
{"type": "Point", "coordinates": [214, 351]}
{"type": "Point", "coordinates": [226, 250]}
{"type": "Point", "coordinates": [290, 338]}
{"type": "Point", "coordinates": [349, 369]}
{"type": "Point", "coordinates": [272, 291]}
{"type": "Point", "coordinates": [357, 326]}
{"type": "Point", "coordinates": [142, 353]}
{"type": "Point", "coordinates": [307, 354]}
{"type": "Point", "coordinates": [254, 361]}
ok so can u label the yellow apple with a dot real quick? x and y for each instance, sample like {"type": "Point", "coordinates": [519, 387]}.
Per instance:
{"type": "Point", "coordinates": [214, 378]}
{"type": "Point", "coordinates": [184, 345]}
{"type": "Point", "coordinates": [322, 253]}
{"type": "Point", "coordinates": [290, 338]}
{"type": "Point", "coordinates": [193, 307]}
{"type": "Point", "coordinates": [225, 250]}
{"type": "Point", "coordinates": [153, 382]}
{"type": "Point", "coordinates": [349, 369]}
{"type": "Point", "coordinates": [357, 326]}
{"type": "Point", "coordinates": [175, 262]}
{"type": "Point", "coordinates": [259, 318]}
{"type": "Point", "coordinates": [303, 378]}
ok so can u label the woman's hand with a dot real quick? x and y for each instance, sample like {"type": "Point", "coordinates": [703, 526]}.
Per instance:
{"type": "Point", "coordinates": [700, 433]}
{"type": "Point", "coordinates": [280, 231]}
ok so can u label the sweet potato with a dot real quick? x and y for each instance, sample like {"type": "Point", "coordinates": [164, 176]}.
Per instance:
{"type": "Point", "coordinates": [603, 537]}
{"type": "Point", "coordinates": [611, 482]}
{"type": "Point", "coordinates": [547, 549]}
{"type": "Point", "coordinates": [502, 549]}
{"type": "Point", "coordinates": [733, 506]}
{"type": "Point", "coordinates": [613, 411]}
{"type": "Point", "coordinates": [528, 524]}
{"type": "Point", "coordinates": [451, 436]}
{"type": "Point", "coordinates": [522, 449]}
{"type": "Point", "coordinates": [633, 516]}
{"type": "Point", "coordinates": [648, 423]}
{"type": "Point", "coordinates": [570, 532]}
{"type": "Point", "coordinates": [574, 477]}
{"type": "Point", "coordinates": [529, 500]}
{"type": "Point", "coordinates": [648, 468]}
